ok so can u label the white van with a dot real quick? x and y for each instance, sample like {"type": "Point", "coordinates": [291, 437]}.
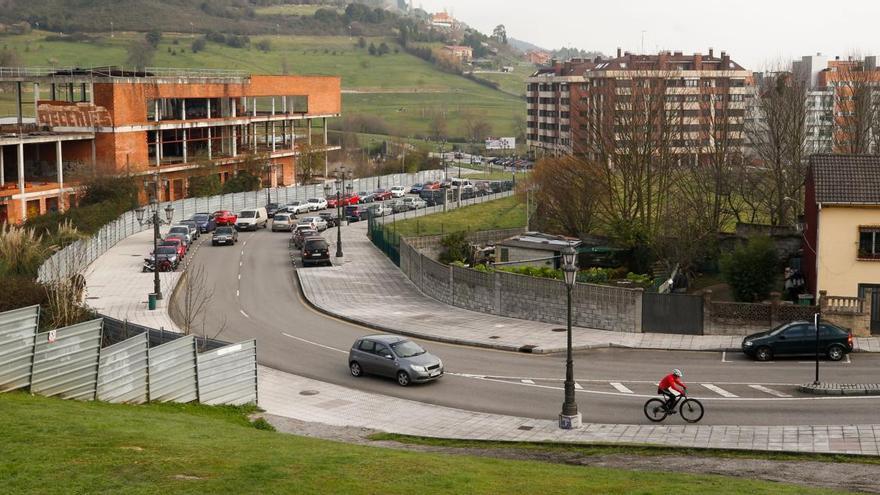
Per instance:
{"type": "Point", "coordinates": [252, 219]}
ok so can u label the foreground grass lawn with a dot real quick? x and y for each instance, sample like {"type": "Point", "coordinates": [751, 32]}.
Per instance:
{"type": "Point", "coordinates": [504, 213]}
{"type": "Point", "coordinates": [51, 446]}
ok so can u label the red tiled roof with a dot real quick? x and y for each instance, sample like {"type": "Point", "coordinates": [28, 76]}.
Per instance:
{"type": "Point", "coordinates": [846, 179]}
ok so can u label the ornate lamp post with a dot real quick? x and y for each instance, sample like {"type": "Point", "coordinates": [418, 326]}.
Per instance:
{"type": "Point", "coordinates": [155, 221]}
{"type": "Point", "coordinates": [339, 179]}
{"type": "Point", "coordinates": [569, 418]}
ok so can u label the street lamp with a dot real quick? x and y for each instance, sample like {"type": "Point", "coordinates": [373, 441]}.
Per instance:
{"type": "Point", "coordinates": [339, 180]}
{"type": "Point", "coordinates": [155, 221]}
{"type": "Point", "coordinates": [569, 418]}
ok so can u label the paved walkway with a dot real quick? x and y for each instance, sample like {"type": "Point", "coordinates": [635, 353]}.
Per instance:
{"type": "Point", "coordinates": [370, 290]}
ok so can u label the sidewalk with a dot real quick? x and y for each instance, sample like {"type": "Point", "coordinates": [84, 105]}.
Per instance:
{"type": "Point", "coordinates": [291, 396]}
{"type": "Point", "coordinates": [370, 290]}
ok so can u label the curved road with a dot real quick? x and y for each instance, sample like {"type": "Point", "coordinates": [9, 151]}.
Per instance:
{"type": "Point", "coordinates": [256, 296]}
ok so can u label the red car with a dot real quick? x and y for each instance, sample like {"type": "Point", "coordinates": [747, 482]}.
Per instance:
{"type": "Point", "coordinates": [381, 195]}
{"type": "Point", "coordinates": [348, 199]}
{"type": "Point", "coordinates": [431, 185]}
{"type": "Point", "coordinates": [331, 202]}
{"type": "Point", "coordinates": [177, 244]}
{"type": "Point", "coordinates": [224, 217]}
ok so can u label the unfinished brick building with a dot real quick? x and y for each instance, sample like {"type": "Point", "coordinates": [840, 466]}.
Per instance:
{"type": "Point", "coordinates": [72, 123]}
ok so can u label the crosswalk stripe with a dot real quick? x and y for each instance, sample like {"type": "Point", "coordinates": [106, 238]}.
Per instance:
{"type": "Point", "coordinates": [718, 390]}
{"type": "Point", "coordinates": [578, 386]}
{"type": "Point", "coordinates": [770, 391]}
{"type": "Point", "coordinates": [621, 388]}
{"type": "Point", "coordinates": [530, 382]}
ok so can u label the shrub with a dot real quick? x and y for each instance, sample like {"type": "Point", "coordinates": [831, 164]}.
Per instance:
{"type": "Point", "coordinates": [205, 185]}
{"type": "Point", "coordinates": [198, 45]}
{"type": "Point", "coordinates": [21, 291]}
{"type": "Point", "coordinates": [22, 251]}
{"type": "Point", "coordinates": [595, 275]}
{"type": "Point", "coordinates": [751, 269]}
{"type": "Point", "coordinates": [243, 181]}
{"type": "Point", "coordinates": [455, 248]}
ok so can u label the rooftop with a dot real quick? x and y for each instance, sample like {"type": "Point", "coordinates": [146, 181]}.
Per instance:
{"type": "Point", "coordinates": [69, 74]}
{"type": "Point", "coordinates": [540, 241]}
{"type": "Point", "coordinates": [846, 179]}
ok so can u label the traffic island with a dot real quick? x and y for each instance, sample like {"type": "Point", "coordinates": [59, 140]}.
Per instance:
{"type": "Point", "coordinates": [841, 388]}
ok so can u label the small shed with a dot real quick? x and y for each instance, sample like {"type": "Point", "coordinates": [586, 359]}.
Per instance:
{"type": "Point", "coordinates": [533, 249]}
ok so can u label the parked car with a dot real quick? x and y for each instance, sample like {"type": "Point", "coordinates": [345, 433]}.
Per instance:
{"type": "Point", "coordinates": [252, 219]}
{"type": "Point", "coordinates": [224, 235]}
{"type": "Point", "coordinates": [316, 223]}
{"type": "Point", "coordinates": [283, 222]}
{"type": "Point", "coordinates": [431, 185]}
{"type": "Point", "coordinates": [272, 209]}
{"type": "Point", "coordinates": [183, 231]}
{"type": "Point", "coordinates": [165, 256]}
{"type": "Point", "coordinates": [416, 203]}
{"type": "Point", "coordinates": [416, 188]}
{"type": "Point", "coordinates": [177, 235]}
{"type": "Point", "coordinates": [300, 232]}
{"type": "Point", "coordinates": [330, 217]}
{"type": "Point", "coordinates": [194, 231]}
{"type": "Point", "coordinates": [177, 244]}
{"type": "Point", "coordinates": [379, 210]}
{"type": "Point", "coordinates": [297, 207]}
{"type": "Point", "coordinates": [398, 192]}
{"type": "Point", "coordinates": [315, 251]}
{"type": "Point", "coordinates": [316, 204]}
{"type": "Point", "coordinates": [382, 194]}
{"type": "Point", "coordinates": [351, 199]}
{"type": "Point", "coordinates": [356, 213]}
{"type": "Point", "coordinates": [799, 338]}
{"type": "Point", "coordinates": [393, 356]}
{"type": "Point", "coordinates": [369, 198]}
{"type": "Point", "coordinates": [204, 221]}
{"type": "Point", "coordinates": [398, 206]}
{"type": "Point", "coordinates": [224, 217]}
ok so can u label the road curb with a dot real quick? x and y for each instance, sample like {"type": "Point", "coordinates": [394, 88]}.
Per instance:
{"type": "Point", "coordinates": [848, 389]}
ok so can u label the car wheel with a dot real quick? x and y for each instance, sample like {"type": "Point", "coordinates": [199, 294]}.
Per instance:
{"type": "Point", "coordinates": [403, 378]}
{"type": "Point", "coordinates": [355, 368]}
{"type": "Point", "coordinates": [836, 353]}
{"type": "Point", "coordinates": [763, 353]}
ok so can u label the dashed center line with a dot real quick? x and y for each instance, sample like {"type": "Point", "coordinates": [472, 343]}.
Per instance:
{"type": "Point", "coordinates": [718, 390]}
{"type": "Point", "coordinates": [243, 313]}
{"type": "Point", "coordinates": [529, 382]}
{"type": "Point", "coordinates": [770, 391]}
{"type": "Point", "coordinates": [621, 388]}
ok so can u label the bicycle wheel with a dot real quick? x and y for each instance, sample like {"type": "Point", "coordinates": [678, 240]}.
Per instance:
{"type": "Point", "coordinates": [691, 410]}
{"type": "Point", "coordinates": [655, 410]}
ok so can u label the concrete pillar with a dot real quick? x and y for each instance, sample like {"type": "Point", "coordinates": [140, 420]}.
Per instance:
{"type": "Point", "coordinates": [184, 146]}
{"type": "Point", "coordinates": [234, 106]}
{"type": "Point", "coordinates": [284, 105]}
{"type": "Point", "coordinates": [209, 108]}
{"type": "Point", "coordinates": [36, 100]}
{"type": "Point", "coordinates": [158, 148]}
{"type": "Point", "coordinates": [156, 111]}
{"type": "Point", "coordinates": [292, 136]}
{"type": "Point", "coordinates": [273, 106]}
{"type": "Point", "coordinates": [254, 136]}
{"type": "Point", "coordinates": [273, 138]}
{"type": "Point", "coordinates": [254, 110]}
{"type": "Point", "coordinates": [209, 143]}
{"type": "Point", "coordinates": [19, 116]}
{"type": "Point", "coordinates": [234, 138]}
{"type": "Point", "coordinates": [92, 93]}
{"type": "Point", "coordinates": [2, 169]}
{"type": "Point", "coordinates": [309, 123]}
{"type": "Point", "coordinates": [183, 109]}
{"type": "Point", "coordinates": [21, 180]}
{"type": "Point", "coordinates": [59, 167]}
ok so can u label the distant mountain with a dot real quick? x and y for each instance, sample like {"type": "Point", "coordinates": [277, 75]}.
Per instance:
{"type": "Point", "coordinates": [524, 46]}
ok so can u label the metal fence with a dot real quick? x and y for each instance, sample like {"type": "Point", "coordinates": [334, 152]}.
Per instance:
{"type": "Point", "coordinates": [114, 361]}
{"type": "Point", "coordinates": [76, 257]}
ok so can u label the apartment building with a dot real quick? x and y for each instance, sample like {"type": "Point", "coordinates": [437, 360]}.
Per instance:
{"type": "Point", "coordinates": [72, 123]}
{"type": "Point", "coordinates": [575, 106]}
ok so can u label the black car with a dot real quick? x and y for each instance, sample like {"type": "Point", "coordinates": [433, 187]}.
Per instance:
{"type": "Point", "coordinates": [799, 338]}
{"type": "Point", "coordinates": [315, 251]}
{"type": "Point", "coordinates": [224, 235]}
{"type": "Point", "coordinates": [204, 221]}
{"type": "Point", "coordinates": [272, 209]}
{"type": "Point", "coordinates": [330, 217]}
{"type": "Point", "coordinates": [166, 256]}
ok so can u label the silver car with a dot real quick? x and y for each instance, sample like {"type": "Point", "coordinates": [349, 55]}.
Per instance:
{"type": "Point", "coordinates": [393, 356]}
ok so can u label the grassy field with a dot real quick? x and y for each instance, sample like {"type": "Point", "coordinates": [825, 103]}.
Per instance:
{"type": "Point", "coordinates": [292, 9]}
{"type": "Point", "coordinates": [504, 213]}
{"type": "Point", "coordinates": [400, 88]}
{"type": "Point", "coordinates": [50, 446]}
{"type": "Point", "coordinates": [511, 82]}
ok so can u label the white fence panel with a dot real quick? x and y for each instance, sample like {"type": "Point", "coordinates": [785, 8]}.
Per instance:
{"type": "Point", "coordinates": [228, 375]}
{"type": "Point", "coordinates": [122, 374]}
{"type": "Point", "coordinates": [66, 361]}
{"type": "Point", "coordinates": [172, 369]}
{"type": "Point", "coordinates": [17, 331]}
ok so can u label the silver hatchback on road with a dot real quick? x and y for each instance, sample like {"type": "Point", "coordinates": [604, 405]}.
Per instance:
{"type": "Point", "coordinates": [393, 356]}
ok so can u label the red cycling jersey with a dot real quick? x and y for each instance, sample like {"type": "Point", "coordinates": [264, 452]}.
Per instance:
{"type": "Point", "coordinates": [673, 382]}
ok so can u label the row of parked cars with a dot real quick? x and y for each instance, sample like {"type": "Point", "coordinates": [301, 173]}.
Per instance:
{"type": "Point", "coordinates": [173, 248]}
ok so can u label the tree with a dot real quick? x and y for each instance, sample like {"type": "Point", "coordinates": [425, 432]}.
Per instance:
{"type": "Point", "coordinates": [362, 42]}
{"type": "Point", "coordinates": [9, 58]}
{"type": "Point", "coordinates": [140, 54]}
{"type": "Point", "coordinates": [201, 186]}
{"type": "Point", "coordinates": [198, 45]}
{"type": "Point", "coordinates": [309, 162]}
{"type": "Point", "coordinates": [500, 34]}
{"type": "Point", "coordinates": [264, 45]}
{"type": "Point", "coordinates": [476, 127]}
{"type": "Point", "coordinates": [855, 107]}
{"type": "Point", "coordinates": [153, 37]}
{"type": "Point", "coordinates": [438, 125]}
{"type": "Point", "coordinates": [383, 49]}
{"type": "Point", "coordinates": [751, 269]}
{"type": "Point", "coordinates": [566, 190]}
{"type": "Point", "coordinates": [372, 49]}
{"type": "Point", "coordinates": [456, 248]}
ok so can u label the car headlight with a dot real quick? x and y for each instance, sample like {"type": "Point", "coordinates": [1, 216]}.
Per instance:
{"type": "Point", "coordinates": [418, 368]}
{"type": "Point", "coordinates": [748, 343]}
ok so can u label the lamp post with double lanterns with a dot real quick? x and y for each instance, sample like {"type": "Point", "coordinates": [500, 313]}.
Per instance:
{"type": "Point", "coordinates": [155, 221]}
{"type": "Point", "coordinates": [569, 418]}
{"type": "Point", "coordinates": [339, 180]}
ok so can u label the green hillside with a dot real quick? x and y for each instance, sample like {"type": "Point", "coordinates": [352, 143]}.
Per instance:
{"type": "Point", "coordinates": [401, 89]}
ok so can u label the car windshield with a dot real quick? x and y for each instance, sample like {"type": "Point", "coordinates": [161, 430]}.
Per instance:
{"type": "Point", "coordinates": [407, 348]}
{"type": "Point", "coordinates": [295, 203]}
{"type": "Point", "coordinates": [200, 218]}
{"type": "Point", "coordinates": [167, 250]}
{"type": "Point", "coordinates": [223, 230]}
{"type": "Point", "coordinates": [314, 200]}
{"type": "Point", "coordinates": [317, 244]}
{"type": "Point", "coordinates": [281, 218]}
{"type": "Point", "coordinates": [183, 230]}
{"type": "Point", "coordinates": [247, 214]}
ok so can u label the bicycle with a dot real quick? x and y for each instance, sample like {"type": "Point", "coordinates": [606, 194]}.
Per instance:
{"type": "Point", "coordinates": [691, 410]}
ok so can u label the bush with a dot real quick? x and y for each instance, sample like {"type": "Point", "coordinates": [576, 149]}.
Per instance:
{"type": "Point", "coordinates": [205, 185]}
{"type": "Point", "coordinates": [21, 291]}
{"type": "Point", "coordinates": [198, 45]}
{"type": "Point", "coordinates": [22, 251]}
{"type": "Point", "coordinates": [264, 45]}
{"type": "Point", "coordinates": [455, 248]}
{"type": "Point", "coordinates": [244, 181]}
{"type": "Point", "coordinates": [595, 275]}
{"type": "Point", "coordinates": [751, 269]}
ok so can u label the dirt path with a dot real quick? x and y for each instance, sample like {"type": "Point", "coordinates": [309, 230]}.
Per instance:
{"type": "Point", "coordinates": [853, 477]}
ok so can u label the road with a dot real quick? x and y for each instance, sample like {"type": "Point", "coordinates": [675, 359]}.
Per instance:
{"type": "Point", "coordinates": [256, 296]}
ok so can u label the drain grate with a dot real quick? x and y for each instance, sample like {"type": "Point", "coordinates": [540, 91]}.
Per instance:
{"type": "Point", "coordinates": [558, 330]}
{"type": "Point", "coordinates": [526, 428]}
{"type": "Point", "coordinates": [527, 348]}
{"type": "Point", "coordinates": [309, 392]}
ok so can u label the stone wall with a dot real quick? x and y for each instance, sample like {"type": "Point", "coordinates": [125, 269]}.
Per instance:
{"type": "Point", "coordinates": [519, 296]}
{"type": "Point", "coordinates": [853, 313]}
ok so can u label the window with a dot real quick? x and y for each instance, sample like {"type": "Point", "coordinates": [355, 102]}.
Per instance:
{"type": "Point", "coordinates": [505, 254]}
{"type": "Point", "coordinates": [869, 243]}
{"type": "Point", "coordinates": [367, 346]}
{"type": "Point", "coordinates": [795, 332]}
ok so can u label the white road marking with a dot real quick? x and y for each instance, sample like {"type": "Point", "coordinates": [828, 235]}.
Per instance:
{"type": "Point", "coordinates": [578, 386]}
{"type": "Point", "coordinates": [770, 391]}
{"type": "Point", "coordinates": [621, 388]}
{"type": "Point", "coordinates": [236, 293]}
{"type": "Point", "coordinates": [241, 263]}
{"type": "Point", "coordinates": [242, 252]}
{"type": "Point", "coordinates": [724, 357]}
{"type": "Point", "coordinates": [718, 390]}
{"type": "Point", "coordinates": [528, 382]}
{"type": "Point", "coordinates": [313, 343]}
{"type": "Point", "coordinates": [243, 245]}
{"type": "Point", "coordinates": [243, 313]}
{"type": "Point", "coordinates": [239, 276]}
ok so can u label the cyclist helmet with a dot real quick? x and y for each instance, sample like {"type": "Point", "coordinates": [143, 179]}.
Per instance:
{"type": "Point", "coordinates": [677, 372]}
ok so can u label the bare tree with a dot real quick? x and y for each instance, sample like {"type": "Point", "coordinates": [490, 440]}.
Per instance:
{"type": "Point", "coordinates": [855, 107]}
{"type": "Point", "coordinates": [193, 298]}
{"type": "Point", "coordinates": [567, 191]}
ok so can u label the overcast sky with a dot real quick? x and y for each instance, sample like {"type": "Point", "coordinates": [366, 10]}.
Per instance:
{"type": "Point", "coordinates": [754, 32]}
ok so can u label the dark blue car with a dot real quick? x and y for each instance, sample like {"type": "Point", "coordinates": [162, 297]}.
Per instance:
{"type": "Point", "coordinates": [416, 188]}
{"type": "Point", "coordinates": [204, 221]}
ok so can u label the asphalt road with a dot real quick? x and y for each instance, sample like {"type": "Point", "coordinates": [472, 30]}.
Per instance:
{"type": "Point", "coordinates": [255, 295]}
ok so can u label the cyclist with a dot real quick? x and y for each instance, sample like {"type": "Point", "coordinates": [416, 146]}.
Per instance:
{"type": "Point", "coordinates": [671, 386]}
